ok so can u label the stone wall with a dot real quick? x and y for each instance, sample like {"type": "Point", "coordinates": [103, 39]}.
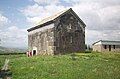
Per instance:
{"type": "Point", "coordinates": [42, 40]}
{"type": "Point", "coordinates": [66, 35]}
{"type": "Point", "coordinates": [100, 48]}
{"type": "Point", "coordinates": [69, 35]}
{"type": "Point", "coordinates": [97, 48]}
{"type": "Point", "coordinates": [117, 48]}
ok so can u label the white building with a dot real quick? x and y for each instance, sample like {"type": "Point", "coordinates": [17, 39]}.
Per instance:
{"type": "Point", "coordinates": [105, 46]}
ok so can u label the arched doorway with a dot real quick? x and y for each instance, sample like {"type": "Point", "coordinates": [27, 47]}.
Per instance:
{"type": "Point", "coordinates": [34, 51]}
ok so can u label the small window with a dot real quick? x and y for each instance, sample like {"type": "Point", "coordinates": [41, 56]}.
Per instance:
{"type": "Point", "coordinates": [113, 46]}
{"type": "Point", "coordinates": [105, 46]}
{"type": "Point", "coordinates": [71, 40]}
{"type": "Point", "coordinates": [69, 26]}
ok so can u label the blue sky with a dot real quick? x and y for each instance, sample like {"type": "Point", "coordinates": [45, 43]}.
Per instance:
{"type": "Point", "coordinates": [10, 9]}
{"type": "Point", "coordinates": [16, 16]}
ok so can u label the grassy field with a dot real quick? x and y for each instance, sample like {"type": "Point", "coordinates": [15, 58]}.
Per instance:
{"type": "Point", "coordinates": [70, 66]}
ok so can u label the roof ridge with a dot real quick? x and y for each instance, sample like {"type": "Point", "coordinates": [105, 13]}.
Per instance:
{"type": "Point", "coordinates": [106, 41]}
{"type": "Point", "coordinates": [52, 17]}
{"type": "Point", "coordinates": [111, 40]}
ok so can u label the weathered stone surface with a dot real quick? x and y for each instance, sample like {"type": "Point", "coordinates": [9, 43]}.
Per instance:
{"type": "Point", "coordinates": [42, 41]}
{"type": "Point", "coordinates": [65, 35]}
{"type": "Point", "coordinates": [69, 35]}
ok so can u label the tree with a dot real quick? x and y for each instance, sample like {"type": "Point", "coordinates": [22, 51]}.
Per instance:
{"type": "Point", "coordinates": [89, 47]}
{"type": "Point", "coordinates": [86, 46]}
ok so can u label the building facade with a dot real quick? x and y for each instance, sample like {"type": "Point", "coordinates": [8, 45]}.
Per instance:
{"type": "Point", "coordinates": [58, 34]}
{"type": "Point", "coordinates": [106, 46]}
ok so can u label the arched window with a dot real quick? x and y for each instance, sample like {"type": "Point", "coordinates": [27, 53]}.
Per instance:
{"type": "Point", "coordinates": [71, 39]}
{"type": "Point", "coordinates": [69, 26]}
{"type": "Point", "coordinates": [34, 51]}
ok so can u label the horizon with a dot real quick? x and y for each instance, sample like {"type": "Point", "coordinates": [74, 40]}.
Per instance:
{"type": "Point", "coordinates": [102, 18]}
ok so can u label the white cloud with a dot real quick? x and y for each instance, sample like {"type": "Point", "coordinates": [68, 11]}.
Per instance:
{"type": "Point", "coordinates": [93, 36]}
{"type": "Point", "coordinates": [35, 13]}
{"type": "Point", "coordinates": [46, 2]}
{"type": "Point", "coordinates": [33, 10]}
{"type": "Point", "coordinates": [103, 22]}
{"type": "Point", "coordinates": [104, 3]}
{"type": "Point", "coordinates": [101, 16]}
{"type": "Point", "coordinates": [110, 17]}
{"type": "Point", "coordinates": [14, 37]}
{"type": "Point", "coordinates": [3, 20]}
{"type": "Point", "coordinates": [111, 34]}
{"type": "Point", "coordinates": [88, 13]}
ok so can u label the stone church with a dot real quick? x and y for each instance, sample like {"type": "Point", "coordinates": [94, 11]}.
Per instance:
{"type": "Point", "coordinates": [61, 33]}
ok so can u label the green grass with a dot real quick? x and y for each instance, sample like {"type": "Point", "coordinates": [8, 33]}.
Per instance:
{"type": "Point", "coordinates": [70, 66]}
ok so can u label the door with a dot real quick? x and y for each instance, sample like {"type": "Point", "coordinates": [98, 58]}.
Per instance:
{"type": "Point", "coordinates": [34, 52]}
{"type": "Point", "coordinates": [109, 47]}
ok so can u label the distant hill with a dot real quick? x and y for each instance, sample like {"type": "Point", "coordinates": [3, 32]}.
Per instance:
{"type": "Point", "coordinates": [11, 50]}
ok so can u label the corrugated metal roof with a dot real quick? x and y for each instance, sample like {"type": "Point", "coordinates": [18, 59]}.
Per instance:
{"type": "Point", "coordinates": [107, 42]}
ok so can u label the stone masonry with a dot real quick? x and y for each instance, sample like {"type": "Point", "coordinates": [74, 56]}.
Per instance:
{"type": "Point", "coordinates": [63, 34]}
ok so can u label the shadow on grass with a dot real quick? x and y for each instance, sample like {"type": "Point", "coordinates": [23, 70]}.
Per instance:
{"type": "Point", "coordinates": [88, 51]}
{"type": "Point", "coordinates": [5, 74]}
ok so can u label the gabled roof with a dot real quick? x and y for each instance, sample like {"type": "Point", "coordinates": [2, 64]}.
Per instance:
{"type": "Point", "coordinates": [107, 42]}
{"type": "Point", "coordinates": [51, 19]}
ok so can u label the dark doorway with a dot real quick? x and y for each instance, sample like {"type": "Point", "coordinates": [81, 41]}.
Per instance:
{"type": "Point", "coordinates": [109, 47]}
{"type": "Point", "coordinates": [34, 52]}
